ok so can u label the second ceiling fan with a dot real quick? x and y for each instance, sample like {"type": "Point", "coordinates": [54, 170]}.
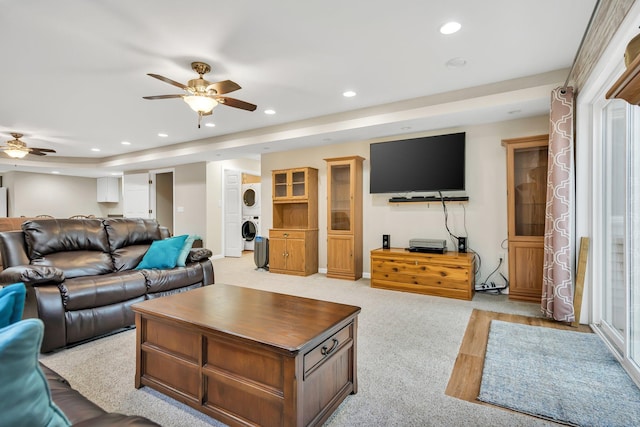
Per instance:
{"type": "Point", "coordinates": [203, 96]}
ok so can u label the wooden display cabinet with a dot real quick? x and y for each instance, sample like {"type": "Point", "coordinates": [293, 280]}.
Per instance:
{"type": "Point", "coordinates": [527, 160]}
{"type": "Point", "coordinates": [293, 184]}
{"type": "Point", "coordinates": [293, 240]}
{"type": "Point", "coordinates": [344, 217]}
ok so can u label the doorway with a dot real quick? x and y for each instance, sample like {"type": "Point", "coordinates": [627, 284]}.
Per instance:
{"type": "Point", "coordinates": [164, 199]}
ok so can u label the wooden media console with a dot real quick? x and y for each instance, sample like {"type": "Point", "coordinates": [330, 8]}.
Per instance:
{"type": "Point", "coordinates": [446, 275]}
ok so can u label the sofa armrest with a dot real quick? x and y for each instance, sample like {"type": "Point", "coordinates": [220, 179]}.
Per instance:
{"type": "Point", "coordinates": [198, 254]}
{"type": "Point", "coordinates": [31, 274]}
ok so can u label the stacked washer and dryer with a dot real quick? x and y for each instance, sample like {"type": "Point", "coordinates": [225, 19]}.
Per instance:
{"type": "Point", "coordinates": [250, 214]}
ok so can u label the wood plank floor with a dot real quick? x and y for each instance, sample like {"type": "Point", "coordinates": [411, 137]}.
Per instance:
{"type": "Point", "coordinates": [466, 376]}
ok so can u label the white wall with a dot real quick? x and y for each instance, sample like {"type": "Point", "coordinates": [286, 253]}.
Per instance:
{"type": "Point", "coordinates": [32, 194]}
{"type": "Point", "coordinates": [190, 205]}
{"type": "Point", "coordinates": [486, 211]}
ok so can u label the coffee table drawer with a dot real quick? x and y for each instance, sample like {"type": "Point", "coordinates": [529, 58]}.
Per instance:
{"type": "Point", "coordinates": [323, 352]}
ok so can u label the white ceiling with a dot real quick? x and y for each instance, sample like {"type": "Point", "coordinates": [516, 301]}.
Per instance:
{"type": "Point", "coordinates": [74, 73]}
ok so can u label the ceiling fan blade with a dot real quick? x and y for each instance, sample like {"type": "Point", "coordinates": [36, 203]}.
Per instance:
{"type": "Point", "coordinates": [36, 152]}
{"type": "Point", "coordinates": [232, 102]}
{"type": "Point", "coordinates": [44, 150]}
{"type": "Point", "coordinates": [224, 86]}
{"type": "Point", "coordinates": [163, 96]}
{"type": "Point", "coordinates": [168, 80]}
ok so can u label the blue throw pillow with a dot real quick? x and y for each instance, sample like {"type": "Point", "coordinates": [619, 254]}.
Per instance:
{"type": "Point", "coordinates": [163, 253]}
{"type": "Point", "coordinates": [184, 252]}
{"type": "Point", "coordinates": [25, 398]}
{"type": "Point", "coordinates": [11, 303]}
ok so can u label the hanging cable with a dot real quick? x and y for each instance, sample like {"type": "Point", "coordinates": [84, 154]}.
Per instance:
{"type": "Point", "coordinates": [446, 217]}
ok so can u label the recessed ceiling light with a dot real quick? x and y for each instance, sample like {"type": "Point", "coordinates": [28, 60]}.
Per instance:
{"type": "Point", "coordinates": [450, 28]}
{"type": "Point", "coordinates": [270, 112]}
{"type": "Point", "coordinates": [456, 63]}
{"type": "Point", "coordinates": [55, 172]}
{"type": "Point", "coordinates": [95, 149]}
{"type": "Point", "coordinates": [210, 125]}
{"type": "Point", "coordinates": [116, 173]}
{"type": "Point", "coordinates": [125, 143]}
{"type": "Point", "coordinates": [348, 94]}
{"type": "Point", "coordinates": [162, 135]}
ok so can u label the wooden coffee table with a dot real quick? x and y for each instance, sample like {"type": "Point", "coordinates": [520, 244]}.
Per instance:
{"type": "Point", "coordinates": [248, 357]}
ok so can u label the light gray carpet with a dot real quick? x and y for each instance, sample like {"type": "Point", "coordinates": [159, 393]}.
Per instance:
{"type": "Point", "coordinates": [572, 375]}
{"type": "Point", "coordinates": [407, 346]}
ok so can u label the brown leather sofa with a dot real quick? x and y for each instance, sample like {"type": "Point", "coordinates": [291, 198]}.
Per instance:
{"type": "Point", "coordinates": [81, 411]}
{"type": "Point", "coordinates": [81, 277]}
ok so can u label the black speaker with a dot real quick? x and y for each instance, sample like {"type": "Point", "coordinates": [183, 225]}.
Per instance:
{"type": "Point", "coordinates": [386, 241]}
{"type": "Point", "coordinates": [462, 244]}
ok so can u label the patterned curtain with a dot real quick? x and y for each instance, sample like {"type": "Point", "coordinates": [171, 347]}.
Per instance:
{"type": "Point", "coordinates": [557, 280]}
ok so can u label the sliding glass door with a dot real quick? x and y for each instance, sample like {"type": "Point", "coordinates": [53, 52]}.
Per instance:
{"type": "Point", "coordinates": [619, 238]}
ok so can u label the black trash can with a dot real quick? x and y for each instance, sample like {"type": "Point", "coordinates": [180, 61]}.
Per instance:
{"type": "Point", "coordinates": [261, 253]}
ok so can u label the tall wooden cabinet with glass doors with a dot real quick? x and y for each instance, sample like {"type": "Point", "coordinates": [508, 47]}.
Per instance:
{"type": "Point", "coordinates": [344, 217]}
{"type": "Point", "coordinates": [527, 160]}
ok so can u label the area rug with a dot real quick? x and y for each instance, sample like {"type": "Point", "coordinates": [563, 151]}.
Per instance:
{"type": "Point", "coordinates": [563, 376]}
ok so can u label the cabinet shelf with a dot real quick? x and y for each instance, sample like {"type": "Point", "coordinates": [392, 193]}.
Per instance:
{"type": "Point", "coordinates": [429, 199]}
{"type": "Point", "coordinates": [627, 87]}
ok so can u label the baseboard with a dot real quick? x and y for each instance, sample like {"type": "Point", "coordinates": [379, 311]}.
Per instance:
{"type": "Point", "coordinates": [365, 275]}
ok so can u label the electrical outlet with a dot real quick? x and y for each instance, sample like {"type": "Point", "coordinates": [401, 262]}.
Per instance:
{"type": "Point", "coordinates": [501, 257]}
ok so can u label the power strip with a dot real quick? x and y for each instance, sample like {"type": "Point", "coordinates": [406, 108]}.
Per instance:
{"type": "Point", "coordinates": [489, 287]}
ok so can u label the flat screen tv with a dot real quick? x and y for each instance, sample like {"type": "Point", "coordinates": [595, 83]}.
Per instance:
{"type": "Point", "coordinates": [432, 163]}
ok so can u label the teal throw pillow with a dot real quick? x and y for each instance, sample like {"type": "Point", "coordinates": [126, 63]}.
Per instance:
{"type": "Point", "coordinates": [184, 252]}
{"type": "Point", "coordinates": [25, 398]}
{"type": "Point", "coordinates": [11, 303]}
{"type": "Point", "coordinates": [163, 253]}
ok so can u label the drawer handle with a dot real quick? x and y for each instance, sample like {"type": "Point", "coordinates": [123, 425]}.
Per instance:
{"type": "Point", "coordinates": [326, 351]}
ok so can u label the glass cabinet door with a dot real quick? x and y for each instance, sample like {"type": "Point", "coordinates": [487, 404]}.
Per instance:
{"type": "Point", "coordinates": [530, 190]}
{"type": "Point", "coordinates": [298, 183]}
{"type": "Point", "coordinates": [340, 197]}
{"type": "Point", "coordinates": [280, 184]}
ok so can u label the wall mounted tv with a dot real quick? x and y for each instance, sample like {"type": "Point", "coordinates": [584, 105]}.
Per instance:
{"type": "Point", "coordinates": [431, 163]}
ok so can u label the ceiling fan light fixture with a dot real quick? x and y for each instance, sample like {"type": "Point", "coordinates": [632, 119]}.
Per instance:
{"type": "Point", "coordinates": [16, 153]}
{"type": "Point", "coordinates": [200, 103]}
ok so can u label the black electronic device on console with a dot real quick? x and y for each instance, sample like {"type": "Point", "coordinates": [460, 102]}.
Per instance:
{"type": "Point", "coordinates": [426, 250]}
{"type": "Point", "coordinates": [462, 244]}
{"type": "Point", "coordinates": [386, 241]}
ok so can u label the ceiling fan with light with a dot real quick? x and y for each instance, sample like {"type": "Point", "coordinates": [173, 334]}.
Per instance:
{"type": "Point", "coordinates": [18, 149]}
{"type": "Point", "coordinates": [203, 96]}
